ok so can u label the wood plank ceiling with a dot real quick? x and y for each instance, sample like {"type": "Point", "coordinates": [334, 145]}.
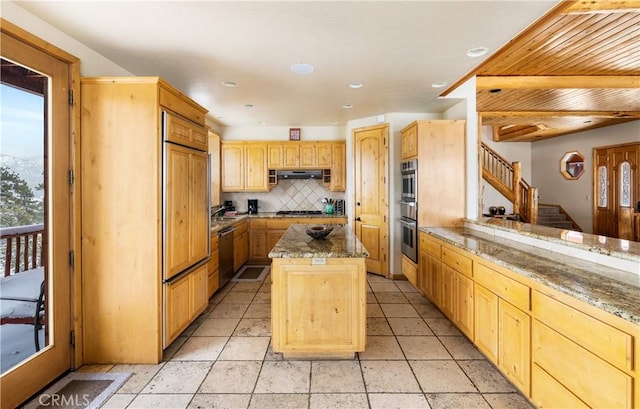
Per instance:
{"type": "Point", "coordinates": [576, 68]}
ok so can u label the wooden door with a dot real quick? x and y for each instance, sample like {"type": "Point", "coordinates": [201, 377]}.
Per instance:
{"type": "Point", "coordinates": [47, 74]}
{"type": "Point", "coordinates": [274, 156]}
{"type": "Point", "coordinates": [514, 341]}
{"type": "Point", "coordinates": [371, 194]}
{"type": "Point", "coordinates": [199, 207]}
{"type": "Point", "coordinates": [323, 155]}
{"type": "Point", "coordinates": [178, 188]}
{"type": "Point", "coordinates": [601, 195]}
{"type": "Point", "coordinates": [447, 291]}
{"type": "Point", "coordinates": [486, 322]}
{"type": "Point", "coordinates": [214, 151]}
{"type": "Point", "coordinates": [463, 309]}
{"type": "Point", "coordinates": [338, 168]}
{"type": "Point", "coordinates": [232, 167]}
{"type": "Point", "coordinates": [256, 163]}
{"type": "Point", "coordinates": [307, 155]}
{"type": "Point", "coordinates": [291, 153]}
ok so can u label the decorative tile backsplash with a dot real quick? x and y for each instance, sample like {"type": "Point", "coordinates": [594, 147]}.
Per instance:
{"type": "Point", "coordinates": [299, 194]}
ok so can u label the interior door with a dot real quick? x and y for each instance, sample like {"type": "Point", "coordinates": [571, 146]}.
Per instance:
{"type": "Point", "coordinates": [22, 64]}
{"type": "Point", "coordinates": [371, 193]}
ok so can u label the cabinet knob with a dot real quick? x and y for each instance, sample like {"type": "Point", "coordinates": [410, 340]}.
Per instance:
{"type": "Point", "coordinates": [358, 219]}
{"type": "Point", "coordinates": [357, 203]}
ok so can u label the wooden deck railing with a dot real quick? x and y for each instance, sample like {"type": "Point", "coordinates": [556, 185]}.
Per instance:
{"type": "Point", "coordinates": [21, 248]}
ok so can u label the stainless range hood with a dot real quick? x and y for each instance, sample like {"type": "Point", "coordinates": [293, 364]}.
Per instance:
{"type": "Point", "coordinates": [299, 174]}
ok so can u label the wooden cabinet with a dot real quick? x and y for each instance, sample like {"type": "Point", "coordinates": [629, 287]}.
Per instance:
{"type": "Point", "coordinates": [410, 271]}
{"type": "Point", "coordinates": [409, 142]}
{"type": "Point", "coordinates": [275, 156]}
{"type": "Point", "coordinates": [244, 167]}
{"type": "Point", "coordinates": [338, 167]}
{"type": "Point", "coordinates": [463, 304]}
{"type": "Point", "coordinates": [486, 321]}
{"type": "Point", "coordinates": [213, 281]}
{"type": "Point", "coordinates": [456, 300]}
{"type": "Point", "coordinates": [126, 309]}
{"type": "Point", "coordinates": [240, 244]}
{"type": "Point", "coordinates": [186, 298]}
{"type": "Point", "coordinates": [430, 268]}
{"type": "Point", "coordinates": [514, 329]}
{"type": "Point", "coordinates": [323, 151]}
{"type": "Point", "coordinates": [214, 151]}
{"type": "Point", "coordinates": [308, 155]}
{"type": "Point", "coordinates": [258, 240]}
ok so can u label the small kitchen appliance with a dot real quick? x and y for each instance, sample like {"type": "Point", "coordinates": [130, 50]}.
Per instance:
{"type": "Point", "coordinates": [252, 206]}
{"type": "Point", "coordinates": [228, 206]}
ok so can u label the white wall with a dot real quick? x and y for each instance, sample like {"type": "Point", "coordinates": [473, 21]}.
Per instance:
{"type": "Point", "coordinates": [575, 196]}
{"type": "Point", "coordinates": [91, 63]}
{"type": "Point", "coordinates": [281, 133]}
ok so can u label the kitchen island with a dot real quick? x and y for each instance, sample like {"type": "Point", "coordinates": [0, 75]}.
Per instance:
{"type": "Point", "coordinates": [318, 294]}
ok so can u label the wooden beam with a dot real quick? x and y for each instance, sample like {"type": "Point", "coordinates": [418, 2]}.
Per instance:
{"type": "Point", "coordinates": [551, 114]}
{"type": "Point", "coordinates": [557, 82]}
{"type": "Point", "coordinates": [604, 6]}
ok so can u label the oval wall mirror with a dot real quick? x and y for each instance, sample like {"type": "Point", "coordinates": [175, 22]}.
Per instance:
{"type": "Point", "coordinates": [572, 165]}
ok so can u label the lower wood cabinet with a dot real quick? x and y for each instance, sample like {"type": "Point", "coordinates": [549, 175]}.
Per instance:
{"type": "Point", "coordinates": [463, 300]}
{"type": "Point", "coordinates": [240, 245]}
{"type": "Point", "coordinates": [213, 270]}
{"type": "Point", "coordinates": [514, 347]}
{"type": "Point", "coordinates": [410, 271]}
{"type": "Point", "coordinates": [486, 321]}
{"type": "Point", "coordinates": [185, 299]}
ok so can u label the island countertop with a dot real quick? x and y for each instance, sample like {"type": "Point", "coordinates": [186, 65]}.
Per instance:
{"type": "Point", "coordinates": [340, 243]}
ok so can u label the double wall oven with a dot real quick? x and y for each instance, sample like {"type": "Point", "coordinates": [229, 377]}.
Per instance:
{"type": "Point", "coordinates": [409, 209]}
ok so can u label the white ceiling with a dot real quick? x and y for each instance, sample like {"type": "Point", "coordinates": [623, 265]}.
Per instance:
{"type": "Point", "coordinates": [396, 48]}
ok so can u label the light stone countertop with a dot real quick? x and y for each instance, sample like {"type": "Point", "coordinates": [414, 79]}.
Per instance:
{"type": "Point", "coordinates": [340, 243]}
{"type": "Point", "coordinates": [612, 290]}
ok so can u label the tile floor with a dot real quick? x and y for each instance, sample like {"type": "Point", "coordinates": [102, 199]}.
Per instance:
{"type": "Point", "coordinates": [415, 358]}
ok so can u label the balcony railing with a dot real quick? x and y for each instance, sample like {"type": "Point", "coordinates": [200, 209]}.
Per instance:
{"type": "Point", "coordinates": [21, 248]}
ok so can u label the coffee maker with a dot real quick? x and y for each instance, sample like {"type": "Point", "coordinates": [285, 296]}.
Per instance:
{"type": "Point", "coordinates": [252, 205]}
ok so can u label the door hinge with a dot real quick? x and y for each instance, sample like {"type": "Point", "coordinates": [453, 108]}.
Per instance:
{"type": "Point", "coordinates": [71, 177]}
{"type": "Point", "coordinates": [72, 338]}
{"type": "Point", "coordinates": [72, 258]}
{"type": "Point", "coordinates": [70, 97]}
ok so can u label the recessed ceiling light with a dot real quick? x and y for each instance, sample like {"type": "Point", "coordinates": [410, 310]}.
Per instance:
{"type": "Point", "coordinates": [355, 85]}
{"type": "Point", "coordinates": [248, 106]}
{"type": "Point", "coordinates": [347, 106]}
{"type": "Point", "coordinates": [333, 123]}
{"type": "Point", "coordinates": [262, 123]}
{"type": "Point", "coordinates": [439, 84]}
{"type": "Point", "coordinates": [302, 69]}
{"type": "Point", "coordinates": [477, 52]}
{"type": "Point", "coordinates": [229, 84]}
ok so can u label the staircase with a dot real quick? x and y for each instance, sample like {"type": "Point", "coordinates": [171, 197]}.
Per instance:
{"type": "Point", "coordinates": [555, 216]}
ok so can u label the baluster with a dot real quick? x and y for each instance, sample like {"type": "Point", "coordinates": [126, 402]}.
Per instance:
{"type": "Point", "coordinates": [18, 253]}
{"type": "Point", "coordinates": [26, 252]}
{"type": "Point", "coordinates": [7, 260]}
{"type": "Point", "coordinates": [34, 250]}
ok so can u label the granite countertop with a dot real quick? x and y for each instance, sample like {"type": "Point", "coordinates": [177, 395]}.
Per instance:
{"type": "Point", "coordinates": [273, 215]}
{"type": "Point", "coordinates": [340, 243]}
{"type": "Point", "coordinates": [612, 290]}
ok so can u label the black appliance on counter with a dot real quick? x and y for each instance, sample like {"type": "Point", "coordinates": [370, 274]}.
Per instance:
{"type": "Point", "coordinates": [298, 212]}
{"type": "Point", "coordinates": [252, 206]}
{"type": "Point", "coordinates": [340, 207]}
{"type": "Point", "coordinates": [228, 206]}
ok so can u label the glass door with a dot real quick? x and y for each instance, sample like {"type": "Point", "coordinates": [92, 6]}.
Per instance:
{"type": "Point", "coordinates": [35, 220]}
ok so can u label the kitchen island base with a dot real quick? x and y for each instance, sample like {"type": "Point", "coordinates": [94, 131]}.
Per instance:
{"type": "Point", "coordinates": [318, 307]}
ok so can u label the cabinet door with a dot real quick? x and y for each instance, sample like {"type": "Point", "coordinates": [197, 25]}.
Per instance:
{"type": "Point", "coordinates": [514, 329]}
{"type": "Point", "coordinates": [323, 155]}
{"type": "Point", "coordinates": [433, 279]}
{"type": "Point", "coordinates": [178, 187]}
{"type": "Point", "coordinates": [273, 236]}
{"type": "Point", "coordinates": [486, 322]}
{"type": "Point", "coordinates": [307, 155]}
{"type": "Point", "coordinates": [291, 152]}
{"type": "Point", "coordinates": [338, 168]}
{"type": "Point", "coordinates": [256, 168]}
{"type": "Point", "coordinates": [213, 282]}
{"type": "Point", "coordinates": [464, 304]}
{"type": "Point", "coordinates": [410, 142]}
{"type": "Point", "coordinates": [199, 291]}
{"type": "Point", "coordinates": [410, 271]}
{"type": "Point", "coordinates": [199, 208]}
{"type": "Point", "coordinates": [185, 132]}
{"type": "Point", "coordinates": [447, 296]}
{"type": "Point", "coordinates": [258, 246]}
{"type": "Point", "coordinates": [177, 308]}
{"type": "Point", "coordinates": [214, 151]}
{"type": "Point", "coordinates": [232, 167]}
{"type": "Point", "coordinates": [275, 158]}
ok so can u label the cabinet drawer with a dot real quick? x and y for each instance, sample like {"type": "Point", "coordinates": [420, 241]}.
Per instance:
{"type": "Point", "coordinates": [602, 339]}
{"type": "Point", "coordinates": [241, 228]}
{"type": "Point", "coordinates": [457, 261]}
{"type": "Point", "coordinates": [592, 380]}
{"type": "Point", "coordinates": [258, 223]}
{"type": "Point", "coordinates": [546, 392]}
{"type": "Point", "coordinates": [430, 246]}
{"type": "Point", "coordinates": [410, 270]}
{"type": "Point", "coordinates": [506, 288]}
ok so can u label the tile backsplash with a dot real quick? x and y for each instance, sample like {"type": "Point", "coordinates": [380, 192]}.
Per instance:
{"type": "Point", "coordinates": [299, 194]}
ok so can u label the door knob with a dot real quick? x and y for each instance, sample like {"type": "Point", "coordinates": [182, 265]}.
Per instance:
{"type": "Point", "coordinates": [357, 203]}
{"type": "Point", "coordinates": [358, 219]}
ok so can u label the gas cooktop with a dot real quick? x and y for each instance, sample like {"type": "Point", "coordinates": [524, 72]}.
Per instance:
{"type": "Point", "coordinates": [298, 212]}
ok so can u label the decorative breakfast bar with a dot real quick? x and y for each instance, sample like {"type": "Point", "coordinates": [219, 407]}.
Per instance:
{"type": "Point", "coordinates": [318, 294]}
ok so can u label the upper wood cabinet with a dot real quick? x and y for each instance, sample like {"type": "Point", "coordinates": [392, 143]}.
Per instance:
{"type": "Point", "coordinates": [338, 167]}
{"type": "Point", "coordinates": [324, 153]}
{"type": "Point", "coordinates": [184, 133]}
{"type": "Point", "coordinates": [214, 151]}
{"type": "Point", "coordinates": [410, 141]}
{"type": "Point", "coordinates": [308, 155]}
{"type": "Point", "coordinates": [275, 156]}
{"type": "Point", "coordinates": [244, 167]}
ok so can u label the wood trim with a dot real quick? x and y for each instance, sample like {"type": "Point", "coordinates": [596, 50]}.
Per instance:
{"type": "Point", "coordinates": [551, 114]}
{"type": "Point", "coordinates": [557, 82]}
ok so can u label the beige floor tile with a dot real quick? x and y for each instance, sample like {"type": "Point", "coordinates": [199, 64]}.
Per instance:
{"type": "Point", "coordinates": [375, 278]}
{"type": "Point", "coordinates": [253, 327]}
{"type": "Point", "coordinates": [279, 401]}
{"type": "Point", "coordinates": [457, 401]}
{"type": "Point", "coordinates": [378, 326]}
{"type": "Point", "coordinates": [140, 376]}
{"type": "Point", "coordinates": [398, 400]}
{"type": "Point", "coordinates": [391, 298]}
{"type": "Point", "coordinates": [271, 355]}
{"type": "Point", "coordinates": [96, 368]}
{"type": "Point", "coordinates": [442, 326]}
{"type": "Point", "coordinates": [119, 401]}
{"type": "Point", "coordinates": [371, 298]}
{"type": "Point", "coordinates": [486, 376]}
{"type": "Point", "coordinates": [422, 348]}
{"type": "Point", "coordinates": [416, 298]}
{"type": "Point", "coordinates": [194, 326]}
{"type": "Point", "coordinates": [237, 298]}
{"type": "Point", "coordinates": [441, 376]}
{"type": "Point", "coordinates": [228, 311]}
{"type": "Point", "coordinates": [245, 349]}
{"type": "Point", "coordinates": [178, 377]}
{"type": "Point", "coordinates": [200, 349]}
{"type": "Point", "coordinates": [338, 401]}
{"type": "Point", "coordinates": [399, 310]}
{"type": "Point", "coordinates": [217, 327]}
{"type": "Point", "coordinates": [284, 377]}
{"type": "Point", "coordinates": [246, 287]}
{"type": "Point", "coordinates": [461, 348]}
{"type": "Point", "coordinates": [171, 350]}
{"type": "Point", "coordinates": [428, 310]}
{"type": "Point", "coordinates": [507, 401]}
{"type": "Point", "coordinates": [381, 347]}
{"type": "Point", "coordinates": [336, 376]}
{"type": "Point", "coordinates": [384, 287]}
{"type": "Point", "coordinates": [220, 401]}
{"type": "Point", "coordinates": [388, 376]}
{"type": "Point", "coordinates": [161, 401]}
{"type": "Point", "coordinates": [258, 311]}
{"type": "Point", "coordinates": [405, 286]}
{"type": "Point", "coordinates": [409, 326]}
{"type": "Point", "coordinates": [231, 377]}
{"type": "Point", "coordinates": [374, 310]}
{"type": "Point", "coordinates": [262, 298]}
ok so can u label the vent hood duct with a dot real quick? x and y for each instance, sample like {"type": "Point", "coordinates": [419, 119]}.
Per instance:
{"type": "Point", "coordinates": [299, 174]}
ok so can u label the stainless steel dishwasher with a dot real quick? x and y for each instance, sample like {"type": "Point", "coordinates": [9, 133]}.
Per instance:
{"type": "Point", "coordinates": [225, 254]}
